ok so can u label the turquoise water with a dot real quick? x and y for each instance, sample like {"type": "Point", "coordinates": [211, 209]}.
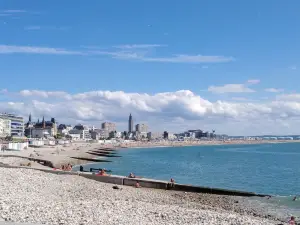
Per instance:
{"type": "Point", "coordinates": [266, 168]}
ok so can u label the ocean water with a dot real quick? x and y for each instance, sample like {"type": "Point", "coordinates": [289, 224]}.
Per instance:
{"type": "Point", "coordinates": [263, 168]}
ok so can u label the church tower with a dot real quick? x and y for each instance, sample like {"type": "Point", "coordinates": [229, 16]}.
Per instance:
{"type": "Point", "coordinates": [44, 123]}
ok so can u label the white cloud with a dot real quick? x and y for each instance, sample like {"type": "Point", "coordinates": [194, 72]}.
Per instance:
{"type": "Point", "coordinates": [5, 14]}
{"type": "Point", "coordinates": [142, 56]}
{"type": "Point", "coordinates": [137, 46]}
{"type": "Point", "coordinates": [240, 99]}
{"type": "Point", "coordinates": [274, 90]}
{"type": "Point", "coordinates": [160, 110]}
{"type": "Point", "coordinates": [32, 28]}
{"type": "Point", "coordinates": [13, 11]}
{"type": "Point", "coordinates": [292, 68]}
{"type": "Point", "coordinates": [230, 88]}
{"type": "Point", "coordinates": [45, 94]}
{"type": "Point", "coordinates": [255, 81]}
{"type": "Point", "coordinates": [190, 59]}
{"type": "Point", "coordinates": [128, 52]}
{"type": "Point", "coordinates": [289, 97]}
{"type": "Point", "coordinates": [3, 91]}
{"type": "Point", "coordinates": [13, 49]}
{"type": "Point", "coordinates": [45, 28]}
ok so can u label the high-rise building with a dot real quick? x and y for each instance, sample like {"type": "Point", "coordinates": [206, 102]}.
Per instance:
{"type": "Point", "coordinates": [143, 128]}
{"type": "Point", "coordinates": [130, 124]}
{"type": "Point", "coordinates": [16, 123]}
{"type": "Point", "coordinates": [108, 126]}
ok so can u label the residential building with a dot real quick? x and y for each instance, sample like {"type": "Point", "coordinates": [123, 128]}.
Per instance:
{"type": "Point", "coordinates": [130, 124]}
{"type": "Point", "coordinates": [5, 128]}
{"type": "Point", "coordinates": [16, 123]}
{"type": "Point", "coordinates": [166, 135]}
{"type": "Point", "coordinates": [64, 129]}
{"type": "Point", "coordinates": [82, 131]}
{"type": "Point", "coordinates": [98, 134]}
{"type": "Point", "coordinates": [154, 135]}
{"type": "Point", "coordinates": [108, 126]}
{"type": "Point", "coordinates": [143, 128]}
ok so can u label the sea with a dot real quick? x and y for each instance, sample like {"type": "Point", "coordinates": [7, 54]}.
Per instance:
{"type": "Point", "coordinates": [272, 169]}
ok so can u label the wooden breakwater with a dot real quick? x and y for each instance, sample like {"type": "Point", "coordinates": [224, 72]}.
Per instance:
{"type": "Point", "coordinates": [101, 154]}
{"type": "Point", "coordinates": [40, 161]}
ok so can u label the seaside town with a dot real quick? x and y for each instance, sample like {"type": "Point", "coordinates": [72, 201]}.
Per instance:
{"type": "Point", "coordinates": [15, 129]}
{"type": "Point", "coordinates": [34, 150]}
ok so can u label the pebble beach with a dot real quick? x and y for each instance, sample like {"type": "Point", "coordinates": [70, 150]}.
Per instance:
{"type": "Point", "coordinates": [32, 196]}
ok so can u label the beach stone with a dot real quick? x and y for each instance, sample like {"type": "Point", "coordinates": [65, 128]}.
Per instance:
{"type": "Point", "coordinates": [45, 198]}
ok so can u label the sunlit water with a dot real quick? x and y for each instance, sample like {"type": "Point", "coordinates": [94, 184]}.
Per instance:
{"type": "Point", "coordinates": [266, 168]}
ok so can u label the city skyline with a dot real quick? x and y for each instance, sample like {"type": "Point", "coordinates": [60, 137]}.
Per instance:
{"type": "Point", "coordinates": [229, 67]}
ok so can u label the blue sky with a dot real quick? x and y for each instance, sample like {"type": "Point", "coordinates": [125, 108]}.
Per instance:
{"type": "Point", "coordinates": [150, 47]}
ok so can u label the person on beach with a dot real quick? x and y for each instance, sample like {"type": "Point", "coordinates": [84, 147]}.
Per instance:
{"type": "Point", "coordinates": [137, 185]}
{"type": "Point", "coordinates": [295, 198]}
{"type": "Point", "coordinates": [69, 167]}
{"type": "Point", "coordinates": [171, 184]}
{"type": "Point", "coordinates": [131, 175]}
{"type": "Point", "coordinates": [102, 173]}
{"type": "Point", "coordinates": [292, 221]}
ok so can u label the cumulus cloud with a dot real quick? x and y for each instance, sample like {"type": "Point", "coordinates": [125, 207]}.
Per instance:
{"type": "Point", "coordinates": [230, 88]}
{"type": "Point", "coordinates": [173, 111]}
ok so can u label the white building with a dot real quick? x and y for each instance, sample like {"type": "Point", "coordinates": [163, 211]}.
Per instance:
{"type": "Point", "coordinates": [64, 129]}
{"type": "Point", "coordinates": [80, 131]}
{"type": "Point", "coordinates": [5, 127]}
{"type": "Point", "coordinates": [16, 123]}
{"type": "Point", "coordinates": [99, 134]}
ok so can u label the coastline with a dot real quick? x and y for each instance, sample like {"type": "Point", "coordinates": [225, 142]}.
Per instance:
{"type": "Point", "coordinates": [244, 207]}
{"type": "Point", "coordinates": [79, 153]}
{"type": "Point", "coordinates": [140, 145]}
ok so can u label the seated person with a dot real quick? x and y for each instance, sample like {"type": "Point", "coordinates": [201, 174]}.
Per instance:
{"type": "Point", "coordinates": [131, 175]}
{"type": "Point", "coordinates": [102, 173]}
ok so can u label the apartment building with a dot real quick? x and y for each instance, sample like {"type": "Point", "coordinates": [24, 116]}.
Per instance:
{"type": "Point", "coordinates": [108, 126]}
{"type": "Point", "coordinates": [16, 123]}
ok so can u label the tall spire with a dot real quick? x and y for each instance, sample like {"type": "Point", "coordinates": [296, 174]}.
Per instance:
{"type": "Point", "coordinates": [130, 124]}
{"type": "Point", "coordinates": [44, 124]}
{"type": "Point", "coordinates": [29, 119]}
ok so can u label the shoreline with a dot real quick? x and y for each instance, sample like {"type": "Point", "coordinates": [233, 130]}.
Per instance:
{"type": "Point", "coordinates": [83, 148]}
{"type": "Point", "coordinates": [136, 145]}
{"type": "Point", "coordinates": [76, 152]}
